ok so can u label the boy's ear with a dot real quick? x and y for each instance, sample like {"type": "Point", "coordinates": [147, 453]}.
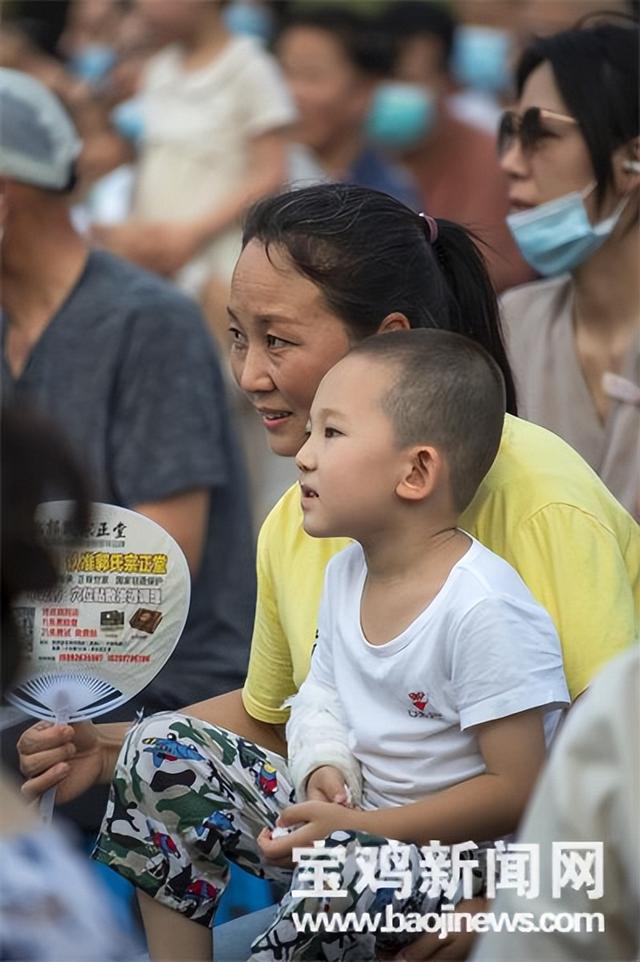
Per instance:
{"type": "Point", "coordinates": [421, 476]}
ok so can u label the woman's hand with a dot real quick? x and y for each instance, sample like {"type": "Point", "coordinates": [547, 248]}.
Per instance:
{"type": "Point", "coordinates": [320, 820]}
{"type": "Point", "coordinates": [73, 757]}
{"type": "Point", "coordinates": [327, 784]}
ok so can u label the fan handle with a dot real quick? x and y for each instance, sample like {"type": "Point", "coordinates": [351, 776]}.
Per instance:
{"type": "Point", "coordinates": [47, 801]}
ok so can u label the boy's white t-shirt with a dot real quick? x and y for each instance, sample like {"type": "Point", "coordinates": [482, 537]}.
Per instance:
{"type": "Point", "coordinates": [483, 649]}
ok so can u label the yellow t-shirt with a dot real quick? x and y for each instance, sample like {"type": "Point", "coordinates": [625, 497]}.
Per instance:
{"type": "Point", "coordinates": [540, 507]}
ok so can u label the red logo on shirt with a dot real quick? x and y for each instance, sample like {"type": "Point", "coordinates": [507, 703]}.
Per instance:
{"type": "Point", "coordinates": [419, 700]}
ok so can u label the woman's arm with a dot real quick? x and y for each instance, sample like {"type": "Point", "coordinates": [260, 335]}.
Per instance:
{"type": "Point", "coordinates": [228, 712]}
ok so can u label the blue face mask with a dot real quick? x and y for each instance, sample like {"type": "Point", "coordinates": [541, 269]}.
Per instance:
{"type": "Point", "coordinates": [93, 62]}
{"type": "Point", "coordinates": [481, 58]}
{"type": "Point", "coordinates": [401, 114]}
{"type": "Point", "coordinates": [557, 236]}
{"type": "Point", "coordinates": [128, 119]}
{"type": "Point", "coordinates": [249, 19]}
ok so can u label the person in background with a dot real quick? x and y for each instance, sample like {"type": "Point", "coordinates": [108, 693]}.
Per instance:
{"type": "Point", "coordinates": [122, 362]}
{"type": "Point", "coordinates": [52, 906]}
{"type": "Point", "coordinates": [588, 793]}
{"type": "Point", "coordinates": [453, 162]}
{"type": "Point", "coordinates": [89, 40]}
{"type": "Point", "coordinates": [332, 59]}
{"type": "Point", "coordinates": [214, 113]}
{"type": "Point", "coordinates": [484, 49]}
{"type": "Point", "coordinates": [571, 151]}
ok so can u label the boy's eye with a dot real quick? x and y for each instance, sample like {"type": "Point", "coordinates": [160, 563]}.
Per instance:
{"type": "Point", "coordinates": [331, 433]}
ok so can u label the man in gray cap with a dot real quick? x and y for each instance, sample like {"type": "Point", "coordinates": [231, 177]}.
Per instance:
{"type": "Point", "coordinates": [122, 361]}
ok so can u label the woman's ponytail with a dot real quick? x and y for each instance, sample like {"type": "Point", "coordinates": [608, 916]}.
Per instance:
{"type": "Point", "coordinates": [473, 305]}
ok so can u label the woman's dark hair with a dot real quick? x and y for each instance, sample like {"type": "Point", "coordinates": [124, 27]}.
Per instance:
{"type": "Point", "coordinates": [36, 466]}
{"type": "Point", "coordinates": [371, 256]}
{"type": "Point", "coordinates": [596, 70]}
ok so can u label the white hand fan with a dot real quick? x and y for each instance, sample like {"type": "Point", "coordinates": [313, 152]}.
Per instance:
{"type": "Point", "coordinates": [105, 631]}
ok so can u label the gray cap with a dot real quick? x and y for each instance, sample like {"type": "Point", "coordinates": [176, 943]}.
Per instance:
{"type": "Point", "coordinates": [38, 142]}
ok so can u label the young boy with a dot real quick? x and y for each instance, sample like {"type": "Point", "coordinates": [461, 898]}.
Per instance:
{"type": "Point", "coordinates": [436, 674]}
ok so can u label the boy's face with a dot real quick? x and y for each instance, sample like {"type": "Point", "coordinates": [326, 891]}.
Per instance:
{"type": "Point", "coordinates": [351, 463]}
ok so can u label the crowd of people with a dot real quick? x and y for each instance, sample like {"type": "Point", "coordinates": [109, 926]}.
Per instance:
{"type": "Point", "coordinates": [210, 210]}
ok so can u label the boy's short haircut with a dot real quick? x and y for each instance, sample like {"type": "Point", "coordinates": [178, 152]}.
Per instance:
{"type": "Point", "coordinates": [447, 392]}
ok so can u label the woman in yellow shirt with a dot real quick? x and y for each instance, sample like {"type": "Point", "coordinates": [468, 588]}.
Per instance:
{"type": "Point", "coordinates": [322, 268]}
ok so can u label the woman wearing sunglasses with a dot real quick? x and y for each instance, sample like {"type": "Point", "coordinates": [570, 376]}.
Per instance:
{"type": "Point", "coordinates": [571, 152]}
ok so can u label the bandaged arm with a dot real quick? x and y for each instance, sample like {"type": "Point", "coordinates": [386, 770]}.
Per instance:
{"type": "Point", "coordinates": [317, 732]}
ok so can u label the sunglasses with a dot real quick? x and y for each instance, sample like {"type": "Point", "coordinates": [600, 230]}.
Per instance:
{"type": "Point", "coordinates": [529, 128]}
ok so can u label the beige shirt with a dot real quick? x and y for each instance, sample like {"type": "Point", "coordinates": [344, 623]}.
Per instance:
{"type": "Point", "coordinates": [198, 126]}
{"type": "Point", "coordinates": [552, 390]}
{"type": "Point", "coordinates": [588, 792]}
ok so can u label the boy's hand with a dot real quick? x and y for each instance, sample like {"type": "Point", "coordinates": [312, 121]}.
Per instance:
{"type": "Point", "coordinates": [326, 784]}
{"type": "Point", "coordinates": [320, 818]}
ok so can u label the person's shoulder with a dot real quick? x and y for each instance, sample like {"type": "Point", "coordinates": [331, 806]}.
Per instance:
{"type": "Point", "coordinates": [492, 600]}
{"type": "Point", "coordinates": [488, 579]}
{"type": "Point", "coordinates": [532, 455]}
{"type": "Point", "coordinates": [259, 81]}
{"type": "Point", "coordinates": [548, 467]}
{"type": "Point", "coordinates": [251, 57]}
{"type": "Point", "coordinates": [136, 293]}
{"type": "Point", "coordinates": [346, 563]}
{"type": "Point", "coordinates": [534, 471]}
{"type": "Point", "coordinates": [161, 67]}
{"type": "Point", "coordinates": [373, 169]}
{"type": "Point", "coordinates": [537, 300]}
{"type": "Point", "coordinates": [241, 62]}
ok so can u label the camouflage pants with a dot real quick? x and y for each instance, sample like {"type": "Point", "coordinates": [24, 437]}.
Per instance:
{"type": "Point", "coordinates": [187, 797]}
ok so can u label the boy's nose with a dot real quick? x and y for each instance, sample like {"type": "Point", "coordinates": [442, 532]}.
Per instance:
{"type": "Point", "coordinates": [304, 457]}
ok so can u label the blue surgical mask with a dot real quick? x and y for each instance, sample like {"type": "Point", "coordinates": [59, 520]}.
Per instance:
{"type": "Point", "coordinates": [128, 119]}
{"type": "Point", "coordinates": [557, 236]}
{"type": "Point", "coordinates": [401, 114]}
{"type": "Point", "coordinates": [481, 58]}
{"type": "Point", "coordinates": [249, 20]}
{"type": "Point", "coordinates": [93, 62]}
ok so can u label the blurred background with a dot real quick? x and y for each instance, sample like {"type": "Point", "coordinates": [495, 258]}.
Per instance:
{"type": "Point", "coordinates": [189, 110]}
{"type": "Point", "coordinates": [399, 96]}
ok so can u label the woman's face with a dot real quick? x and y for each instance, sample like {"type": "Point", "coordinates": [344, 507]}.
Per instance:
{"type": "Point", "coordinates": [559, 163]}
{"type": "Point", "coordinates": [284, 339]}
